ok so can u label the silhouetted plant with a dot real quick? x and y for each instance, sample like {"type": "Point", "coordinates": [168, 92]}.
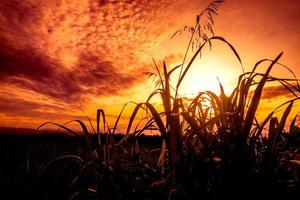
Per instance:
{"type": "Point", "coordinates": [211, 144]}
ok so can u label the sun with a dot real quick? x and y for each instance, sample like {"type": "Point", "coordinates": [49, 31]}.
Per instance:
{"type": "Point", "coordinates": [207, 72]}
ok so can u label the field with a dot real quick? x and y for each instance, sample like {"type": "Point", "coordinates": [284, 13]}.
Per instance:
{"type": "Point", "coordinates": [210, 146]}
{"type": "Point", "coordinates": [23, 159]}
{"type": "Point", "coordinates": [54, 166]}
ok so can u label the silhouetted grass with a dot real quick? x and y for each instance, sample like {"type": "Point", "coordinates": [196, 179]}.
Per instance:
{"type": "Point", "coordinates": [211, 146]}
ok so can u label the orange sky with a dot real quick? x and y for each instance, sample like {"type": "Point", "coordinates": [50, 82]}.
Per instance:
{"type": "Point", "coordinates": [56, 55]}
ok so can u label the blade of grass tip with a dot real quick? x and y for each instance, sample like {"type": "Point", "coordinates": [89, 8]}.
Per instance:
{"type": "Point", "coordinates": [275, 121]}
{"type": "Point", "coordinates": [232, 49]}
{"type": "Point", "coordinates": [145, 109]}
{"type": "Point", "coordinates": [221, 88]}
{"type": "Point", "coordinates": [118, 118]}
{"type": "Point", "coordinates": [285, 84]}
{"type": "Point", "coordinates": [61, 126]}
{"type": "Point", "coordinates": [138, 124]}
{"type": "Point", "coordinates": [261, 127]}
{"type": "Point", "coordinates": [173, 69]}
{"type": "Point", "coordinates": [282, 124]}
{"type": "Point", "coordinates": [88, 118]}
{"type": "Point", "coordinates": [155, 92]}
{"type": "Point", "coordinates": [107, 159]}
{"type": "Point", "coordinates": [271, 134]}
{"type": "Point", "coordinates": [242, 96]}
{"type": "Point", "coordinates": [98, 121]}
{"type": "Point", "coordinates": [256, 121]}
{"type": "Point", "coordinates": [223, 97]}
{"type": "Point", "coordinates": [108, 128]}
{"type": "Point", "coordinates": [232, 100]}
{"type": "Point", "coordinates": [131, 119]}
{"type": "Point", "coordinates": [157, 120]}
{"type": "Point", "coordinates": [157, 69]}
{"type": "Point", "coordinates": [292, 126]}
{"type": "Point", "coordinates": [100, 112]}
{"type": "Point", "coordinates": [256, 65]}
{"type": "Point", "coordinates": [148, 126]}
{"type": "Point", "coordinates": [84, 131]}
{"type": "Point", "coordinates": [256, 99]}
{"type": "Point", "coordinates": [291, 71]}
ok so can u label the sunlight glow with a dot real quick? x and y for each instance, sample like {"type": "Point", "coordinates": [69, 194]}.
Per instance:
{"type": "Point", "coordinates": [207, 70]}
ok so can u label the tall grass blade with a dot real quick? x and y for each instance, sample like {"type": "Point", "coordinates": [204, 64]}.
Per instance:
{"type": "Point", "coordinates": [255, 100]}
{"type": "Point", "coordinates": [281, 124]}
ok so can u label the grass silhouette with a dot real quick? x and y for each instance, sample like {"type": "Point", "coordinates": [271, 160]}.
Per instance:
{"type": "Point", "coordinates": [211, 146]}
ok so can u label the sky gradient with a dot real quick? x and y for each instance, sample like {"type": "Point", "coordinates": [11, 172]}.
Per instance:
{"type": "Point", "coordinates": [58, 55]}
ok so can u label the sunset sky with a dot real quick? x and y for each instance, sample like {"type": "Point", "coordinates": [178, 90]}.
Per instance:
{"type": "Point", "coordinates": [58, 55]}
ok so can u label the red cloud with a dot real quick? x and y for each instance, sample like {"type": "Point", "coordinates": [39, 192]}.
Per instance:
{"type": "Point", "coordinates": [279, 91]}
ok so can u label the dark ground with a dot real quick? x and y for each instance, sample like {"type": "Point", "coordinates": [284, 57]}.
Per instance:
{"type": "Point", "coordinates": [22, 156]}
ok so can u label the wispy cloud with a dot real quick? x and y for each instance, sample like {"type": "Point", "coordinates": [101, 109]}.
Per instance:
{"type": "Point", "coordinates": [71, 51]}
{"type": "Point", "coordinates": [279, 91]}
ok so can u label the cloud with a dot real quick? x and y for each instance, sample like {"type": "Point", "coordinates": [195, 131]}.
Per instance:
{"type": "Point", "coordinates": [69, 50]}
{"type": "Point", "coordinates": [55, 54]}
{"type": "Point", "coordinates": [20, 107]}
{"type": "Point", "coordinates": [279, 91]}
{"type": "Point", "coordinates": [39, 73]}
{"type": "Point", "coordinates": [19, 112]}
